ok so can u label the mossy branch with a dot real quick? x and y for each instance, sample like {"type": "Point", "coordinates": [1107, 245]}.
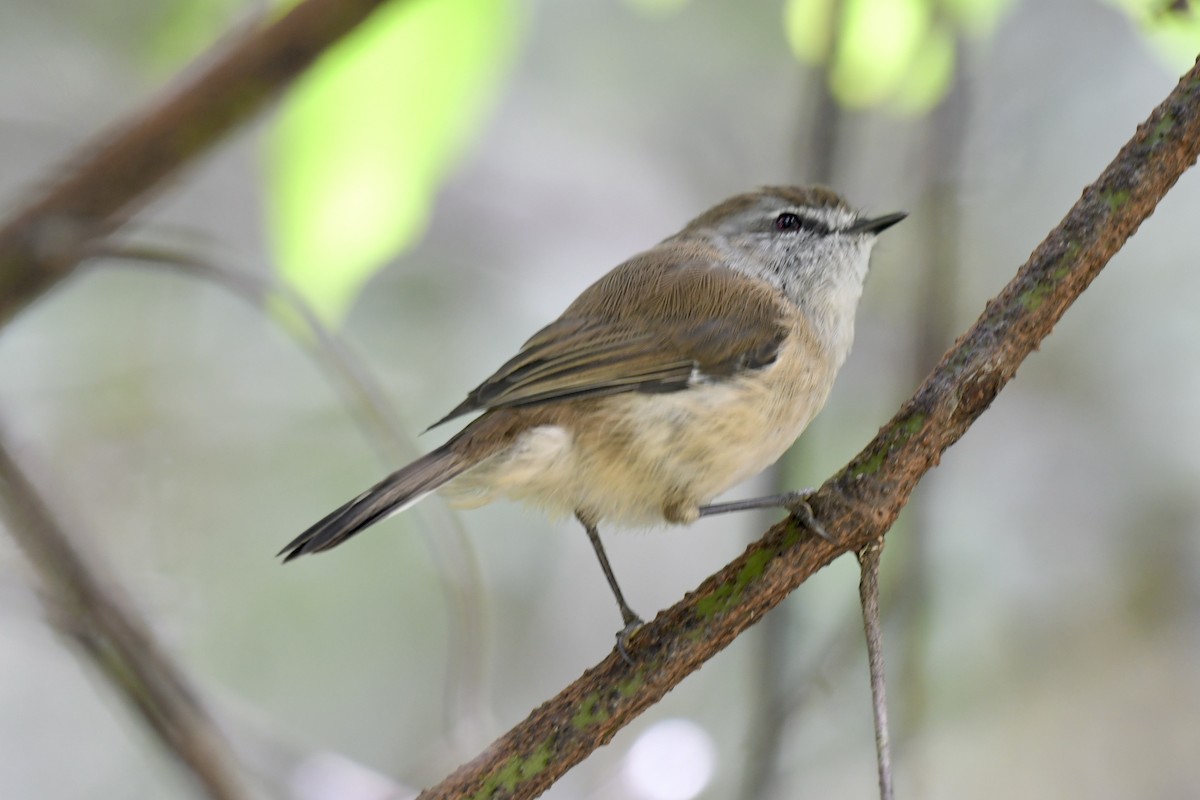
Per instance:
{"type": "Point", "coordinates": [859, 504]}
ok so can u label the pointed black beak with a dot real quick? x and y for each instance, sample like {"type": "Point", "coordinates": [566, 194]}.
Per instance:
{"type": "Point", "coordinates": [876, 225]}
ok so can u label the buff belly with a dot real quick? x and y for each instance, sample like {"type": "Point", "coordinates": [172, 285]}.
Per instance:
{"type": "Point", "coordinates": [640, 459]}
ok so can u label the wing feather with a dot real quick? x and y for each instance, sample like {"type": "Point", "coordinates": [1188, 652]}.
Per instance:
{"type": "Point", "coordinates": [648, 326]}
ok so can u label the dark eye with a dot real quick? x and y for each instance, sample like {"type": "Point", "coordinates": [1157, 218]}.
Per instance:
{"type": "Point", "coordinates": [787, 221]}
{"type": "Point", "coordinates": [791, 221]}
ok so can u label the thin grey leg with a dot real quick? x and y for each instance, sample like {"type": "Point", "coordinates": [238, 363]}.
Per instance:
{"type": "Point", "coordinates": [795, 502]}
{"type": "Point", "coordinates": [628, 615]}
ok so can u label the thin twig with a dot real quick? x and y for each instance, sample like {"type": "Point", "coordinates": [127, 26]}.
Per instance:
{"type": "Point", "coordinates": [91, 612]}
{"type": "Point", "coordinates": [868, 594]}
{"type": "Point", "coordinates": [859, 503]}
{"type": "Point", "coordinates": [108, 177]}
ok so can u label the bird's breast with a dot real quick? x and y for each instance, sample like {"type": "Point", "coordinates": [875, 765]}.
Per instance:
{"type": "Point", "coordinates": [638, 459]}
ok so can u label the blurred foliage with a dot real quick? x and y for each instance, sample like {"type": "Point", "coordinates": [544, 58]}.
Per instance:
{"type": "Point", "coordinates": [897, 51]}
{"type": "Point", "coordinates": [364, 139]}
{"type": "Point", "coordinates": [1173, 27]}
{"type": "Point", "coordinates": [903, 53]}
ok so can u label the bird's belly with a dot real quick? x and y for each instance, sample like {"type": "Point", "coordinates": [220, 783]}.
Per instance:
{"type": "Point", "coordinates": [639, 459]}
{"type": "Point", "coordinates": [684, 449]}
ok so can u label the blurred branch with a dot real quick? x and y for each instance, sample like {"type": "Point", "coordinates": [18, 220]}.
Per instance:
{"type": "Point", "coordinates": [44, 241]}
{"type": "Point", "coordinates": [90, 612]}
{"type": "Point", "coordinates": [859, 504]}
{"type": "Point", "coordinates": [457, 563]}
{"type": "Point", "coordinates": [109, 176]}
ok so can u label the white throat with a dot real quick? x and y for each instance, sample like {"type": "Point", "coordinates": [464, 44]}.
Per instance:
{"type": "Point", "coordinates": [826, 290]}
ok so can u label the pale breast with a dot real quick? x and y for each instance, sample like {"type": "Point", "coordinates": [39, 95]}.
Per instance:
{"type": "Point", "coordinates": [694, 445]}
{"type": "Point", "coordinates": [638, 459]}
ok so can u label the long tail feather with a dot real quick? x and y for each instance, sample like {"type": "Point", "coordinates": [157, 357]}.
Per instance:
{"type": "Point", "coordinates": [390, 496]}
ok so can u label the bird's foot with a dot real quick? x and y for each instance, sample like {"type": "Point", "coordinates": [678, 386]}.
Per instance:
{"type": "Point", "coordinates": [632, 624]}
{"type": "Point", "coordinates": [797, 504]}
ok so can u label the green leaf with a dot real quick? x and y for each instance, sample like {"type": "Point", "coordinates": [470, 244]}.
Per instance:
{"type": "Point", "coordinates": [876, 44]}
{"type": "Point", "coordinates": [929, 74]}
{"type": "Point", "coordinates": [366, 137]}
{"type": "Point", "coordinates": [808, 26]}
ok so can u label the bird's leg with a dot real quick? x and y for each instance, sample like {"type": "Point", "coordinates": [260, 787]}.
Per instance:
{"type": "Point", "coordinates": [868, 591]}
{"type": "Point", "coordinates": [628, 615]}
{"type": "Point", "coordinates": [795, 502]}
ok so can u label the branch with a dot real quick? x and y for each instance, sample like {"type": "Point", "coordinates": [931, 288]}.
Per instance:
{"type": "Point", "coordinates": [42, 243]}
{"type": "Point", "coordinates": [859, 504]}
{"type": "Point", "coordinates": [456, 560]}
{"type": "Point", "coordinates": [95, 617]}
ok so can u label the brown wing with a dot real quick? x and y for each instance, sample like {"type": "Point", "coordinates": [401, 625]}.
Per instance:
{"type": "Point", "coordinates": [648, 326]}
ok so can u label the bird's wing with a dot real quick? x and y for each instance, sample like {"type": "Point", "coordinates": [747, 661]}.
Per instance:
{"type": "Point", "coordinates": [645, 327]}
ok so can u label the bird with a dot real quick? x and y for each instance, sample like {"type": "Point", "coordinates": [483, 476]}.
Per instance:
{"type": "Point", "coordinates": [683, 371]}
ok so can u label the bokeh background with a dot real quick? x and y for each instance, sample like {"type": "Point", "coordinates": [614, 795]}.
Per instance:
{"type": "Point", "coordinates": [1041, 595]}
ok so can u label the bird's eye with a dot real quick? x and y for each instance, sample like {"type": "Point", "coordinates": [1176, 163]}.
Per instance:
{"type": "Point", "coordinates": [787, 221]}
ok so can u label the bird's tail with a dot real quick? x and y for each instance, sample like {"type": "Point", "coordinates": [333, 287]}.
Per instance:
{"type": "Point", "coordinates": [390, 496]}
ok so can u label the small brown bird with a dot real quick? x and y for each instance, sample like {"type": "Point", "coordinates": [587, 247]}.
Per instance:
{"type": "Point", "coordinates": [685, 370]}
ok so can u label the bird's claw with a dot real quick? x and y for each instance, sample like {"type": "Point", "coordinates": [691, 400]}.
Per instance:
{"type": "Point", "coordinates": [797, 504]}
{"type": "Point", "coordinates": [632, 625]}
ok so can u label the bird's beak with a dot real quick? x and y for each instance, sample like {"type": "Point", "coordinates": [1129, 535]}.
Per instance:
{"type": "Point", "coordinates": [875, 225]}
